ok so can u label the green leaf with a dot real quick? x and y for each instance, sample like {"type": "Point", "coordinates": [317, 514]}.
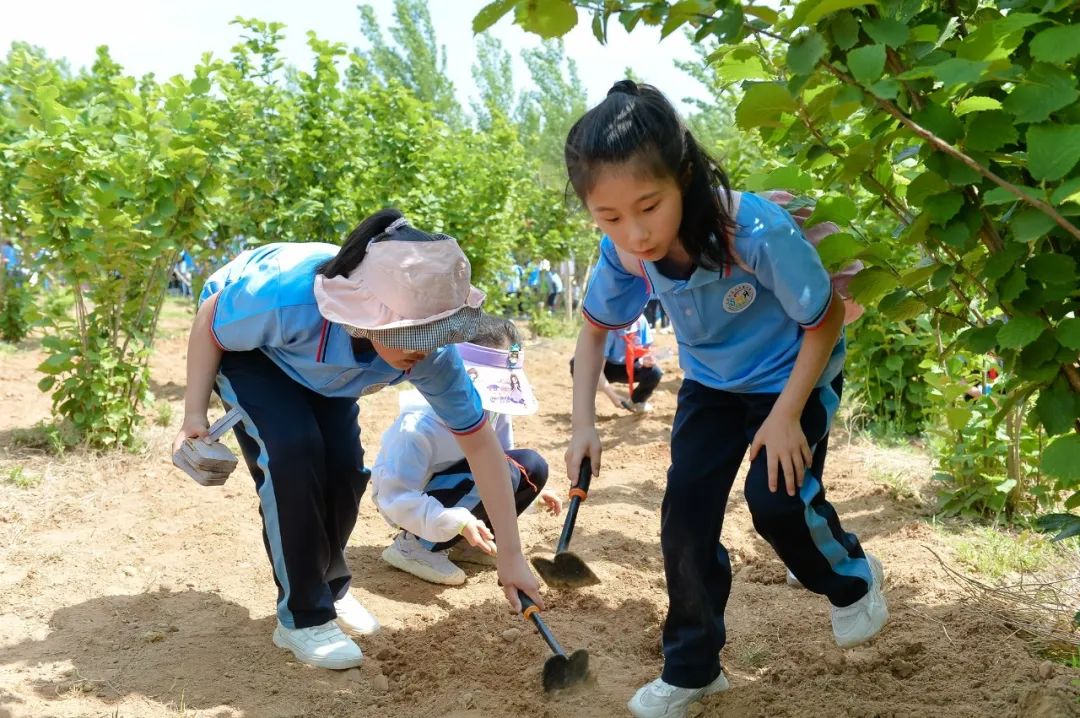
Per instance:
{"type": "Point", "coordinates": [957, 417]}
{"type": "Point", "coordinates": [941, 121]}
{"type": "Point", "coordinates": [925, 185]}
{"type": "Point", "coordinates": [837, 208]}
{"type": "Point", "coordinates": [844, 29]}
{"type": "Point", "coordinates": [867, 63]}
{"type": "Point", "coordinates": [957, 71]}
{"type": "Point", "coordinates": [1056, 44]}
{"type": "Point", "coordinates": [1031, 224]}
{"type": "Point", "coordinates": [1068, 333]}
{"type": "Point", "coordinates": [1052, 268]}
{"type": "Point", "coordinates": [943, 207]}
{"type": "Point", "coordinates": [550, 19]}
{"type": "Point", "coordinates": [1002, 195]}
{"type": "Point", "coordinates": [789, 177]}
{"type": "Point", "coordinates": [1056, 409]}
{"type": "Point", "coordinates": [804, 53]}
{"type": "Point", "coordinates": [988, 131]}
{"type": "Point", "coordinates": [1014, 285]}
{"type": "Point", "coordinates": [1053, 150]}
{"type": "Point", "coordinates": [732, 70]}
{"type": "Point", "coordinates": [838, 249]}
{"type": "Point", "coordinates": [1067, 191]}
{"type": "Point", "coordinates": [976, 104]}
{"type": "Point", "coordinates": [200, 85]}
{"type": "Point", "coordinates": [490, 14]}
{"type": "Point", "coordinates": [763, 13]}
{"type": "Point", "coordinates": [810, 11]}
{"type": "Point", "coordinates": [1062, 459]}
{"type": "Point", "coordinates": [762, 104]}
{"type": "Point", "coordinates": [46, 383]}
{"type": "Point", "coordinates": [1043, 90]}
{"type": "Point", "coordinates": [999, 263]}
{"type": "Point", "coordinates": [1006, 486]}
{"type": "Point", "coordinates": [1020, 331]}
{"type": "Point", "coordinates": [980, 340]}
{"type": "Point", "coordinates": [871, 284]}
{"type": "Point", "coordinates": [900, 306]}
{"type": "Point", "coordinates": [917, 277]}
{"type": "Point", "coordinates": [886, 31]}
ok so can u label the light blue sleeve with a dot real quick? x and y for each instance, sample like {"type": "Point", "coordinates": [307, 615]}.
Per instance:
{"type": "Point", "coordinates": [247, 316]}
{"type": "Point", "coordinates": [614, 297]}
{"type": "Point", "coordinates": [785, 263]}
{"type": "Point", "coordinates": [442, 380]}
{"type": "Point", "coordinates": [615, 347]}
{"type": "Point", "coordinates": [645, 336]}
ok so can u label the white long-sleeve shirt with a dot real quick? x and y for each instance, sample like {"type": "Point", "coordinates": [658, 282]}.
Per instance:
{"type": "Point", "coordinates": [415, 447]}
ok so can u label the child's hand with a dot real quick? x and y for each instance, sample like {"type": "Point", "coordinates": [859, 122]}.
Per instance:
{"type": "Point", "coordinates": [479, 535]}
{"type": "Point", "coordinates": [193, 428]}
{"type": "Point", "coordinates": [785, 447]}
{"type": "Point", "coordinates": [585, 441]}
{"type": "Point", "coordinates": [514, 574]}
{"type": "Point", "coordinates": [552, 502]}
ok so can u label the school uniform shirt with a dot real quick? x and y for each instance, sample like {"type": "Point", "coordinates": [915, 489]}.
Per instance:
{"type": "Point", "coordinates": [416, 447]}
{"type": "Point", "coordinates": [266, 301]}
{"type": "Point", "coordinates": [739, 329]}
{"type": "Point", "coordinates": [615, 345]}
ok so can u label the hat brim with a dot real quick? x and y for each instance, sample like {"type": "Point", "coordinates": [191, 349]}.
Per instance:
{"type": "Point", "coordinates": [503, 390]}
{"type": "Point", "coordinates": [459, 326]}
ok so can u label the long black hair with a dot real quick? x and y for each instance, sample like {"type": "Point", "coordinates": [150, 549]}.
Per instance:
{"type": "Point", "coordinates": [355, 246]}
{"type": "Point", "coordinates": [636, 123]}
{"type": "Point", "coordinates": [352, 253]}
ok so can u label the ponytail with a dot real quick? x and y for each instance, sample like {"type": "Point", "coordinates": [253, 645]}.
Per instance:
{"type": "Point", "coordinates": [355, 247]}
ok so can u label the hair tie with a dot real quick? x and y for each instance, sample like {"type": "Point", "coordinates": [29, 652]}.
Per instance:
{"type": "Point", "coordinates": [625, 87]}
{"type": "Point", "coordinates": [396, 225]}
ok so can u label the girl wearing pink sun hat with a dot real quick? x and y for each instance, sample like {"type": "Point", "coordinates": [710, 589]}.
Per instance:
{"type": "Point", "coordinates": [292, 334]}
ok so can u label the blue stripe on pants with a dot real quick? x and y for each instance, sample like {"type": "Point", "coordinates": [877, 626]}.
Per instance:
{"type": "Point", "coordinates": [268, 501]}
{"type": "Point", "coordinates": [710, 436]}
{"type": "Point", "coordinates": [454, 486]}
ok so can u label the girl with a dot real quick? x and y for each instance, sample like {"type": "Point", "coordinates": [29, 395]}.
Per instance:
{"type": "Point", "coordinates": [760, 343]}
{"type": "Point", "coordinates": [293, 334]}
{"type": "Point", "coordinates": [422, 482]}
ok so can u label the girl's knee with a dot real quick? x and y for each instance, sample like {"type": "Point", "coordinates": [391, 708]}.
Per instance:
{"type": "Point", "coordinates": [534, 466]}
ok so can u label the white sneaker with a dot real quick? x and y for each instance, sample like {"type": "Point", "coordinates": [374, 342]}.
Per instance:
{"type": "Point", "coordinates": [641, 407]}
{"type": "Point", "coordinates": [791, 580]}
{"type": "Point", "coordinates": [862, 620]}
{"type": "Point", "coordinates": [354, 618]}
{"type": "Point", "coordinates": [462, 552]}
{"type": "Point", "coordinates": [324, 646]}
{"type": "Point", "coordinates": [407, 554]}
{"type": "Point", "coordinates": [663, 700]}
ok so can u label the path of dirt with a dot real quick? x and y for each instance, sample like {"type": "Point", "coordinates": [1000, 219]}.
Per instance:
{"type": "Point", "coordinates": [128, 590]}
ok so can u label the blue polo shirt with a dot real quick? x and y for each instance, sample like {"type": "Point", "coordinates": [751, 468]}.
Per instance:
{"type": "Point", "coordinates": [266, 301]}
{"type": "Point", "coordinates": [737, 330]}
{"type": "Point", "coordinates": [615, 345]}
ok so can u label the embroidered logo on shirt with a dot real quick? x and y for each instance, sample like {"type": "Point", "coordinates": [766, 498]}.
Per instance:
{"type": "Point", "coordinates": [739, 297]}
{"type": "Point", "coordinates": [373, 388]}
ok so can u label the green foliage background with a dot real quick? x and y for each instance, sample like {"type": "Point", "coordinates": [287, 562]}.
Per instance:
{"type": "Point", "coordinates": [945, 139]}
{"type": "Point", "coordinates": [947, 136]}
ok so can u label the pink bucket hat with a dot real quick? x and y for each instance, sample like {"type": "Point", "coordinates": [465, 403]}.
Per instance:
{"type": "Point", "coordinates": [411, 291]}
{"type": "Point", "coordinates": [499, 378]}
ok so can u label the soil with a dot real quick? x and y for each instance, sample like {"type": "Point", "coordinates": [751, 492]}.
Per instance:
{"type": "Point", "coordinates": [126, 589]}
